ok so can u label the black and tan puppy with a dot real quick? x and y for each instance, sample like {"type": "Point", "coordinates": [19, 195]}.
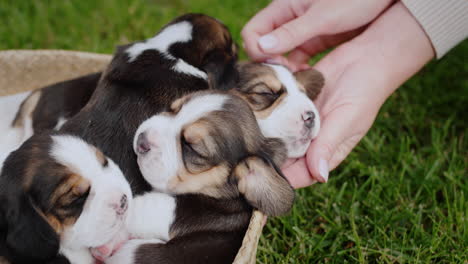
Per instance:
{"type": "Point", "coordinates": [209, 165]}
{"type": "Point", "coordinates": [193, 52]}
{"type": "Point", "coordinates": [59, 196]}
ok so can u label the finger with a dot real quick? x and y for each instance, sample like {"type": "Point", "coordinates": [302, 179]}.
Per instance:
{"type": "Point", "coordinates": [281, 60]}
{"type": "Point", "coordinates": [298, 174]}
{"type": "Point", "coordinates": [302, 54]}
{"type": "Point", "coordinates": [298, 57]}
{"type": "Point", "coordinates": [289, 162]}
{"type": "Point", "coordinates": [265, 21]}
{"type": "Point", "coordinates": [322, 18]}
{"type": "Point", "coordinates": [341, 130]}
{"type": "Point", "coordinates": [288, 36]}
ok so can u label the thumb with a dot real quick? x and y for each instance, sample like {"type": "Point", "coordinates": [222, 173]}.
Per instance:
{"type": "Point", "coordinates": [288, 36]}
{"type": "Point", "coordinates": [341, 130]}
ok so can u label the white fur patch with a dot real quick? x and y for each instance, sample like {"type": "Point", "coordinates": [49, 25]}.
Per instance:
{"type": "Point", "coordinates": [286, 121]}
{"type": "Point", "coordinates": [175, 33]}
{"type": "Point", "coordinates": [180, 32]}
{"type": "Point", "coordinates": [60, 122]}
{"type": "Point", "coordinates": [99, 221]}
{"type": "Point", "coordinates": [162, 162]}
{"type": "Point", "coordinates": [78, 256]}
{"type": "Point", "coordinates": [11, 137]}
{"type": "Point", "coordinates": [183, 67]}
{"type": "Point", "coordinates": [151, 216]}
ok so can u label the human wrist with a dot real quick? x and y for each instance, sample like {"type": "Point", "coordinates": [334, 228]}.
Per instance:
{"type": "Point", "coordinates": [445, 22]}
{"type": "Point", "coordinates": [393, 48]}
{"type": "Point", "coordinates": [397, 45]}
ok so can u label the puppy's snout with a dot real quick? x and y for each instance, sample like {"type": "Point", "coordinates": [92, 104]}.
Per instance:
{"type": "Point", "coordinates": [122, 206]}
{"type": "Point", "coordinates": [309, 118]}
{"type": "Point", "coordinates": [143, 145]}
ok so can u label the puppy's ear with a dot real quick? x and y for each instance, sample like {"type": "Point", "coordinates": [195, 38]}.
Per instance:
{"type": "Point", "coordinates": [264, 186]}
{"type": "Point", "coordinates": [220, 66]}
{"type": "Point", "coordinates": [29, 235]}
{"type": "Point", "coordinates": [312, 80]}
{"type": "Point", "coordinates": [178, 103]}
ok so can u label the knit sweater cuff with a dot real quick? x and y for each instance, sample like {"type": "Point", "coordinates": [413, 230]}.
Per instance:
{"type": "Point", "coordinates": [444, 21]}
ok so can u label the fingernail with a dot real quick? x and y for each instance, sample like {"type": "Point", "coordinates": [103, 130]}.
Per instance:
{"type": "Point", "coordinates": [267, 42]}
{"type": "Point", "coordinates": [323, 169]}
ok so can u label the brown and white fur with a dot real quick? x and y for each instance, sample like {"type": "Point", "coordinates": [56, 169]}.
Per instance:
{"type": "Point", "coordinates": [59, 195]}
{"type": "Point", "coordinates": [192, 53]}
{"type": "Point", "coordinates": [48, 108]}
{"type": "Point", "coordinates": [210, 165]}
{"type": "Point", "coordinates": [144, 78]}
{"type": "Point", "coordinates": [282, 102]}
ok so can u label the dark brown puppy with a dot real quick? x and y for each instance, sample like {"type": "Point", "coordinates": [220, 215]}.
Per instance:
{"type": "Point", "coordinates": [193, 52]}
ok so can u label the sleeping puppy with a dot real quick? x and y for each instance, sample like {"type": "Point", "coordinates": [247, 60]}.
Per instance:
{"type": "Point", "coordinates": [194, 52]}
{"type": "Point", "coordinates": [210, 165]}
{"type": "Point", "coordinates": [25, 114]}
{"type": "Point", "coordinates": [59, 196]}
{"type": "Point", "coordinates": [282, 102]}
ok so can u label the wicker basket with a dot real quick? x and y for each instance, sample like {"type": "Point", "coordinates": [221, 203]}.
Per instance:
{"type": "Point", "coordinates": [22, 70]}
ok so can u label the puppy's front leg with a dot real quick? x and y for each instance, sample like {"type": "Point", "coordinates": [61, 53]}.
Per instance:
{"type": "Point", "coordinates": [195, 248]}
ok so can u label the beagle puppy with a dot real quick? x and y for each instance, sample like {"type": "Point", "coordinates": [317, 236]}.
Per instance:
{"type": "Point", "coordinates": [193, 52]}
{"type": "Point", "coordinates": [48, 108]}
{"type": "Point", "coordinates": [209, 165]}
{"type": "Point", "coordinates": [282, 102]}
{"type": "Point", "coordinates": [59, 196]}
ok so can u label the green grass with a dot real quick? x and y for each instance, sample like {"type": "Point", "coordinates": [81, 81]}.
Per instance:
{"type": "Point", "coordinates": [400, 197]}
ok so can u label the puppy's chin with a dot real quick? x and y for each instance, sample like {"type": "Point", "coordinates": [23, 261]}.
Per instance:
{"type": "Point", "coordinates": [100, 231]}
{"type": "Point", "coordinates": [154, 171]}
{"type": "Point", "coordinates": [297, 148]}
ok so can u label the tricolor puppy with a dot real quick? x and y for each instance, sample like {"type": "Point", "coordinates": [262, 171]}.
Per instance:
{"type": "Point", "coordinates": [282, 102]}
{"type": "Point", "coordinates": [59, 196]}
{"type": "Point", "coordinates": [210, 165]}
{"type": "Point", "coordinates": [48, 108]}
{"type": "Point", "coordinates": [193, 52]}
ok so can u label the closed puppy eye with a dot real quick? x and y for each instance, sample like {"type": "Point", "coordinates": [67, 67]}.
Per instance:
{"type": "Point", "coordinates": [191, 149]}
{"type": "Point", "coordinates": [81, 198]}
{"type": "Point", "coordinates": [261, 88]}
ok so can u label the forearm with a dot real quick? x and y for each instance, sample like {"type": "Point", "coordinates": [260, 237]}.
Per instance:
{"type": "Point", "coordinates": [444, 21]}
{"type": "Point", "coordinates": [396, 47]}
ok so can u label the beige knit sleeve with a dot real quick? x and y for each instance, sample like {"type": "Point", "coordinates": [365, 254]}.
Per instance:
{"type": "Point", "coordinates": [445, 21]}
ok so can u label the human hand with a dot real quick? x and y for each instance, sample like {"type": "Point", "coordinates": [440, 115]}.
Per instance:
{"type": "Point", "coordinates": [305, 27]}
{"type": "Point", "coordinates": [360, 75]}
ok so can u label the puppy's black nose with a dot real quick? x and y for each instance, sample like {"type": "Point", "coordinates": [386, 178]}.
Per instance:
{"type": "Point", "coordinates": [123, 203]}
{"type": "Point", "coordinates": [309, 118]}
{"type": "Point", "coordinates": [143, 144]}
